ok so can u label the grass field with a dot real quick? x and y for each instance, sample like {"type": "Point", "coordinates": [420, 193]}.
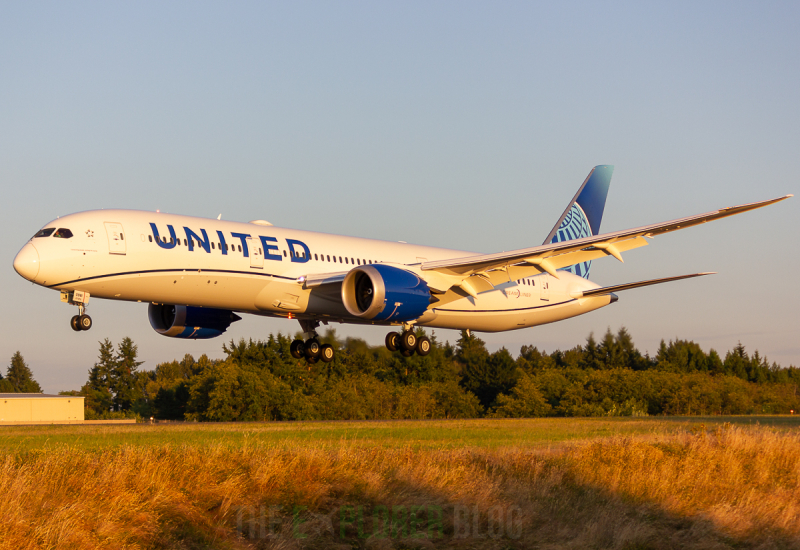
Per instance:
{"type": "Point", "coordinates": [715, 482]}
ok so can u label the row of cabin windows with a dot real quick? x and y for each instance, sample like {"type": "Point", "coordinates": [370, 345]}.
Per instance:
{"type": "Point", "coordinates": [528, 282]}
{"type": "Point", "coordinates": [317, 257]}
{"type": "Point", "coordinates": [353, 261]}
{"type": "Point", "coordinates": [186, 243]}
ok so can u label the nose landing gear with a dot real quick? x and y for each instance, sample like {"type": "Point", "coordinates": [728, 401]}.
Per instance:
{"type": "Point", "coordinates": [80, 322]}
{"type": "Point", "coordinates": [81, 299]}
{"type": "Point", "coordinates": [311, 349]}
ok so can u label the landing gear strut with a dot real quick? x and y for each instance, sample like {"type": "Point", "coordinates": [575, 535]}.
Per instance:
{"type": "Point", "coordinates": [81, 321]}
{"type": "Point", "coordinates": [310, 348]}
{"type": "Point", "coordinates": [407, 343]}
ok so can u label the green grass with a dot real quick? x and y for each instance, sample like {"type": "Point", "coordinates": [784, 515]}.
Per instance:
{"type": "Point", "coordinates": [433, 434]}
{"type": "Point", "coordinates": [692, 482]}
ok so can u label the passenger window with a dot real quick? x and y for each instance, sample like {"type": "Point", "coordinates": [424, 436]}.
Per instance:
{"type": "Point", "coordinates": [63, 234]}
{"type": "Point", "coordinates": [345, 260]}
{"type": "Point", "coordinates": [334, 259]}
{"type": "Point", "coordinates": [284, 253]}
{"type": "Point", "coordinates": [150, 238]}
{"type": "Point", "coordinates": [121, 236]}
{"type": "Point", "coordinates": [315, 257]}
{"type": "Point", "coordinates": [212, 246]}
{"type": "Point", "coordinates": [340, 259]}
{"type": "Point", "coordinates": [45, 232]}
{"type": "Point", "coordinates": [329, 258]}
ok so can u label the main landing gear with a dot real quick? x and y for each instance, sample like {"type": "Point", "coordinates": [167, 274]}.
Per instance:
{"type": "Point", "coordinates": [407, 343]}
{"type": "Point", "coordinates": [310, 348]}
{"type": "Point", "coordinates": [81, 321]}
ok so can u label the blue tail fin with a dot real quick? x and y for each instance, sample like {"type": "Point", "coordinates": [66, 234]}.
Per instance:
{"type": "Point", "coordinates": [583, 214]}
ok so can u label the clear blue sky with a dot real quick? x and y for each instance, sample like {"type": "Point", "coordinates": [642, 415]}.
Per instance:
{"type": "Point", "coordinates": [457, 124]}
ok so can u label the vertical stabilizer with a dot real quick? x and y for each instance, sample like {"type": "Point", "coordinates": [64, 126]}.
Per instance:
{"type": "Point", "coordinates": [583, 214]}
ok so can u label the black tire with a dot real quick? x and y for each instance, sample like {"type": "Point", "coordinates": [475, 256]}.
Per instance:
{"type": "Point", "coordinates": [85, 322]}
{"type": "Point", "coordinates": [406, 353]}
{"type": "Point", "coordinates": [423, 346]}
{"type": "Point", "coordinates": [326, 353]}
{"type": "Point", "coordinates": [74, 323]}
{"type": "Point", "coordinates": [297, 349]}
{"type": "Point", "coordinates": [312, 348]}
{"type": "Point", "coordinates": [392, 341]}
{"type": "Point", "coordinates": [408, 340]}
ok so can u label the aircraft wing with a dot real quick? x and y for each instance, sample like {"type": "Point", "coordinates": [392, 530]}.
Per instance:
{"type": "Point", "coordinates": [456, 278]}
{"type": "Point", "coordinates": [474, 274]}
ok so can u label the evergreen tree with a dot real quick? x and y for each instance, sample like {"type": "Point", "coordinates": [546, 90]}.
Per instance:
{"type": "Point", "coordinates": [123, 375]}
{"type": "Point", "coordinates": [97, 390]}
{"type": "Point", "coordinates": [20, 377]}
{"type": "Point", "coordinates": [5, 385]}
{"type": "Point", "coordinates": [485, 375]}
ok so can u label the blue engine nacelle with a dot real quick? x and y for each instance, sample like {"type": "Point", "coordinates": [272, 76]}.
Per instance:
{"type": "Point", "coordinates": [188, 321]}
{"type": "Point", "coordinates": [384, 293]}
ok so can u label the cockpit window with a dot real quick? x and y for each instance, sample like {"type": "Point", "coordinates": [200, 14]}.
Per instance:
{"type": "Point", "coordinates": [46, 232]}
{"type": "Point", "coordinates": [63, 233]}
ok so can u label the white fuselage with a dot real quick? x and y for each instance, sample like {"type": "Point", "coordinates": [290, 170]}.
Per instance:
{"type": "Point", "coordinates": [260, 269]}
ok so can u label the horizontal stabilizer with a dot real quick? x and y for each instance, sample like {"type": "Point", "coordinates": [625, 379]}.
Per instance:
{"type": "Point", "coordinates": [627, 286]}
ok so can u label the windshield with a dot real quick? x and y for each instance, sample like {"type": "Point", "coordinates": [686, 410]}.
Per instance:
{"type": "Point", "coordinates": [63, 233]}
{"type": "Point", "coordinates": [45, 232]}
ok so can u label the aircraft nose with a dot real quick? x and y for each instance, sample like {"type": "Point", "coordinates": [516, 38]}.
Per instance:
{"type": "Point", "coordinates": [27, 262]}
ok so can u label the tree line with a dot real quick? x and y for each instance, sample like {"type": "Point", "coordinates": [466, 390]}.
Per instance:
{"type": "Point", "coordinates": [260, 380]}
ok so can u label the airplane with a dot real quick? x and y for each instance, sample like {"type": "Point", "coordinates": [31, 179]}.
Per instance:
{"type": "Point", "coordinates": [197, 274]}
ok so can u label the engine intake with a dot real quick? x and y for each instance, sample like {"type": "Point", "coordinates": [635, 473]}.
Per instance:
{"type": "Point", "coordinates": [384, 293]}
{"type": "Point", "coordinates": [189, 321]}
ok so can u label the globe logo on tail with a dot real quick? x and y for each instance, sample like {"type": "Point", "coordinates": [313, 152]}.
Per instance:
{"type": "Point", "coordinates": [575, 225]}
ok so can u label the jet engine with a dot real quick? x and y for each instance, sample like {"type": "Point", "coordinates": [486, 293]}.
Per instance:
{"type": "Point", "coordinates": [188, 321]}
{"type": "Point", "coordinates": [384, 293]}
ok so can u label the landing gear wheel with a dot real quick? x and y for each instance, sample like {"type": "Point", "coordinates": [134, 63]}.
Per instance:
{"type": "Point", "coordinates": [75, 323]}
{"type": "Point", "coordinates": [312, 348]}
{"type": "Point", "coordinates": [423, 346]}
{"type": "Point", "coordinates": [408, 341]}
{"type": "Point", "coordinates": [297, 349]}
{"type": "Point", "coordinates": [392, 341]}
{"type": "Point", "coordinates": [85, 322]}
{"type": "Point", "coordinates": [406, 353]}
{"type": "Point", "coordinates": [312, 360]}
{"type": "Point", "coordinates": [326, 353]}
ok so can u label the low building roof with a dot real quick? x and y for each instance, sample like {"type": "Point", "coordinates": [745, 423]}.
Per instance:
{"type": "Point", "coordinates": [35, 395]}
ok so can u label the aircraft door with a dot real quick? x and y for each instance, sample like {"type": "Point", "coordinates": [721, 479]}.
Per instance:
{"type": "Point", "coordinates": [544, 287]}
{"type": "Point", "coordinates": [116, 238]}
{"type": "Point", "coordinates": [256, 253]}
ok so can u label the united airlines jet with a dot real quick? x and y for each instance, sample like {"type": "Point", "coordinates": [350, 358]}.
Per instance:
{"type": "Point", "coordinates": [196, 273]}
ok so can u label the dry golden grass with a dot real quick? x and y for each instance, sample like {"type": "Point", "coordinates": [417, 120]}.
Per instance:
{"type": "Point", "coordinates": [728, 487]}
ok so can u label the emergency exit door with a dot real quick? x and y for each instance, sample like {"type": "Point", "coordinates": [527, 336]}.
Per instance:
{"type": "Point", "coordinates": [116, 238]}
{"type": "Point", "coordinates": [256, 253]}
{"type": "Point", "coordinates": [544, 287]}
